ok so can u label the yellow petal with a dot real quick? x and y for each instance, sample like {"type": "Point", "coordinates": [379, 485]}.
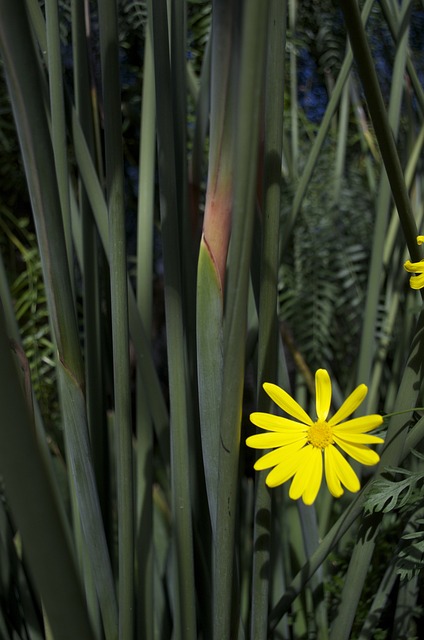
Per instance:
{"type": "Point", "coordinates": [283, 455]}
{"type": "Point", "coordinates": [358, 452]}
{"type": "Point", "coordinates": [306, 474]}
{"type": "Point", "coordinates": [275, 423]}
{"type": "Point", "coordinates": [414, 267]}
{"type": "Point", "coordinates": [349, 405]}
{"type": "Point", "coordinates": [417, 282]}
{"type": "Point", "coordinates": [315, 478]}
{"type": "Point", "coordinates": [323, 393]}
{"type": "Point", "coordinates": [271, 440]}
{"type": "Point", "coordinates": [420, 239]}
{"type": "Point", "coordinates": [336, 464]}
{"type": "Point", "coordinates": [358, 425]}
{"type": "Point", "coordinates": [286, 402]}
{"type": "Point", "coordinates": [285, 470]}
{"type": "Point", "coordinates": [331, 477]}
{"type": "Point", "coordinates": [359, 438]}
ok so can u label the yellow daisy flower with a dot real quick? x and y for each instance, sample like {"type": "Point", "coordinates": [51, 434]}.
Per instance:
{"type": "Point", "coordinates": [301, 444]}
{"type": "Point", "coordinates": [416, 281]}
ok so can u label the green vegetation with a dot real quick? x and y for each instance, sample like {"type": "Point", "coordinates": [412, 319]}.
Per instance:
{"type": "Point", "coordinates": [197, 198]}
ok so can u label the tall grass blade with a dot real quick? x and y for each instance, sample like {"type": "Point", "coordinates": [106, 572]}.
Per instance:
{"type": "Point", "coordinates": [24, 87]}
{"type": "Point", "coordinates": [145, 363]}
{"type": "Point", "coordinates": [321, 136]}
{"type": "Point", "coordinates": [58, 123]}
{"type": "Point", "coordinates": [108, 27]}
{"type": "Point", "coordinates": [378, 113]}
{"type": "Point", "coordinates": [382, 210]}
{"type": "Point", "coordinates": [252, 60]}
{"type": "Point", "coordinates": [294, 112]}
{"type": "Point", "coordinates": [86, 246]}
{"type": "Point", "coordinates": [268, 325]}
{"type": "Point", "coordinates": [213, 248]}
{"type": "Point", "coordinates": [184, 591]}
{"type": "Point", "coordinates": [210, 368]}
{"type": "Point", "coordinates": [144, 446]}
{"type": "Point", "coordinates": [37, 510]}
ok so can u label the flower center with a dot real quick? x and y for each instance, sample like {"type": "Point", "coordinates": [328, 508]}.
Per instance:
{"type": "Point", "coordinates": [320, 434]}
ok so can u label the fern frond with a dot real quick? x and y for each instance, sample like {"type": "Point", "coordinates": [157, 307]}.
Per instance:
{"type": "Point", "coordinates": [411, 552]}
{"type": "Point", "coordinates": [30, 302]}
{"type": "Point", "coordinates": [323, 276]}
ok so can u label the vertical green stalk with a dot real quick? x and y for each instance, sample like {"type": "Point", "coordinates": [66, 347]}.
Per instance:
{"type": "Point", "coordinates": [246, 132]}
{"type": "Point", "coordinates": [144, 446]}
{"type": "Point", "coordinates": [94, 377]}
{"type": "Point", "coordinates": [178, 60]}
{"type": "Point", "coordinates": [20, 61]}
{"type": "Point", "coordinates": [380, 601]}
{"type": "Point", "coordinates": [38, 514]}
{"type": "Point", "coordinates": [310, 535]}
{"type": "Point", "coordinates": [145, 363]}
{"type": "Point", "coordinates": [178, 45]}
{"type": "Point", "coordinates": [90, 266]}
{"type": "Point", "coordinates": [339, 165]}
{"type": "Point", "coordinates": [58, 126]}
{"type": "Point", "coordinates": [219, 194]}
{"type": "Point", "coordinates": [27, 118]}
{"type": "Point", "coordinates": [196, 161]}
{"type": "Point", "coordinates": [365, 138]}
{"type": "Point", "coordinates": [378, 113]}
{"type": "Point", "coordinates": [363, 551]}
{"type": "Point", "coordinates": [398, 277]}
{"type": "Point", "coordinates": [321, 136]}
{"type": "Point", "coordinates": [109, 44]}
{"type": "Point", "coordinates": [294, 123]}
{"type": "Point", "coordinates": [184, 590]}
{"type": "Point", "coordinates": [214, 245]}
{"type": "Point", "coordinates": [382, 206]}
{"type": "Point", "coordinates": [392, 22]}
{"type": "Point", "coordinates": [268, 324]}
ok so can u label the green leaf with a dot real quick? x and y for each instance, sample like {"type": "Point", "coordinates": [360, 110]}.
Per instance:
{"type": "Point", "coordinates": [386, 495]}
{"type": "Point", "coordinates": [210, 367]}
{"type": "Point", "coordinates": [80, 461]}
{"type": "Point", "coordinates": [36, 508]}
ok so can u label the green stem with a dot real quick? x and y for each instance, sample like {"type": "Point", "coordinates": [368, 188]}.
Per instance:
{"type": "Point", "coordinates": [321, 136]}
{"type": "Point", "coordinates": [25, 88]}
{"type": "Point", "coordinates": [108, 27]}
{"type": "Point", "coordinates": [37, 510]}
{"type": "Point", "coordinates": [399, 413]}
{"type": "Point", "coordinates": [144, 446]}
{"type": "Point", "coordinates": [58, 124]}
{"type": "Point", "coordinates": [268, 324]}
{"type": "Point", "coordinates": [378, 113]}
{"type": "Point", "coordinates": [254, 30]}
{"type": "Point", "coordinates": [184, 589]}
